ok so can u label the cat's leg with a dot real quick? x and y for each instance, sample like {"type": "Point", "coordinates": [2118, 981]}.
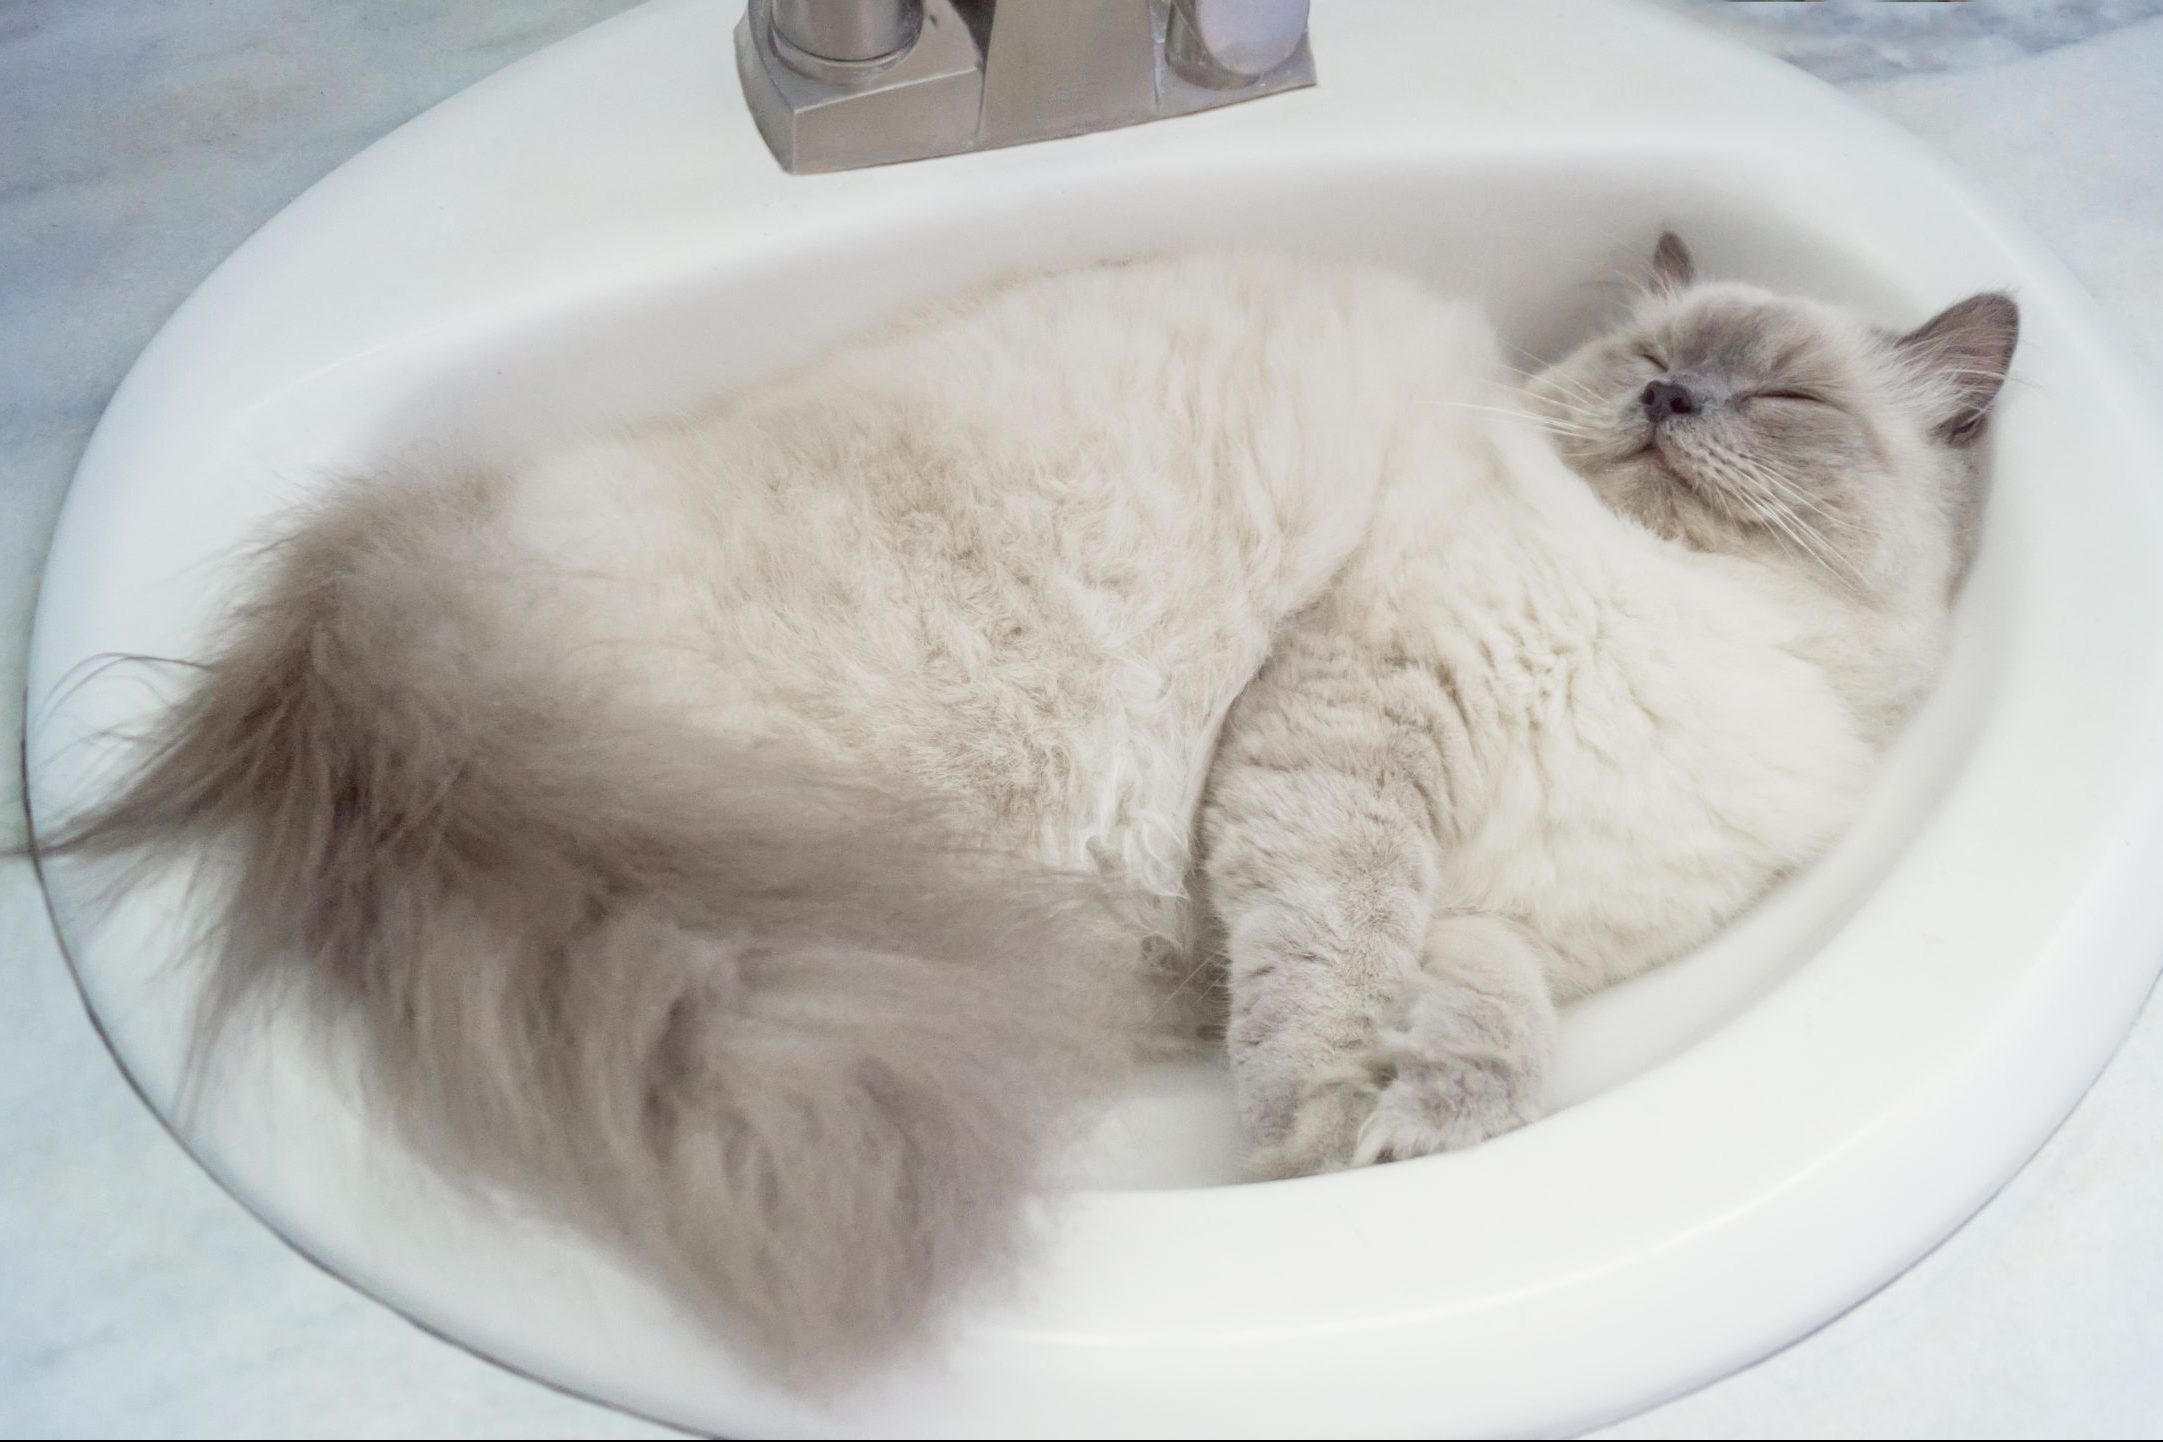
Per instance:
{"type": "Point", "coordinates": [1316, 966]}
{"type": "Point", "coordinates": [1322, 866]}
{"type": "Point", "coordinates": [1364, 1022]}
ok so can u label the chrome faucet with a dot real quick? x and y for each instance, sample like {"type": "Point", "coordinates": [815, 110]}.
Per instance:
{"type": "Point", "coordinates": [837, 84]}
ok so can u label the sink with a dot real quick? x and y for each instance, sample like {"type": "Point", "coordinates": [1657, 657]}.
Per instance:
{"type": "Point", "coordinates": [1747, 1142]}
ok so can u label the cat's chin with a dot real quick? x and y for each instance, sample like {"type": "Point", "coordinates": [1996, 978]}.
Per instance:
{"type": "Point", "coordinates": [1653, 463]}
{"type": "Point", "coordinates": [1650, 492]}
{"type": "Point", "coordinates": [1622, 472]}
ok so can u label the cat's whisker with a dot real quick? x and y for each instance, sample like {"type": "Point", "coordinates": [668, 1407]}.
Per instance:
{"type": "Point", "coordinates": [1565, 388]}
{"type": "Point", "coordinates": [1578, 411]}
{"type": "Point", "coordinates": [1772, 498]}
{"type": "Point", "coordinates": [1525, 381]}
{"type": "Point", "coordinates": [1803, 537]}
{"type": "Point", "coordinates": [1772, 516]}
{"type": "Point", "coordinates": [1547, 376]}
{"type": "Point", "coordinates": [1815, 542]}
{"type": "Point", "coordinates": [1575, 387]}
{"type": "Point", "coordinates": [1764, 478]}
{"type": "Point", "coordinates": [1818, 529]}
{"type": "Point", "coordinates": [1548, 423]}
{"type": "Point", "coordinates": [1539, 372]}
{"type": "Point", "coordinates": [1164, 1003]}
{"type": "Point", "coordinates": [1584, 417]}
{"type": "Point", "coordinates": [1786, 489]}
{"type": "Point", "coordinates": [1984, 377]}
{"type": "Point", "coordinates": [1524, 352]}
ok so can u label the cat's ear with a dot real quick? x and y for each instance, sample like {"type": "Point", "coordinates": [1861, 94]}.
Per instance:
{"type": "Point", "coordinates": [1965, 349]}
{"type": "Point", "coordinates": [1672, 268]}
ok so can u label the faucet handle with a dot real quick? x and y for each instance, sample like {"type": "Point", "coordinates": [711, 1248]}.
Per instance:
{"type": "Point", "coordinates": [1237, 41]}
{"type": "Point", "coordinates": [836, 39]}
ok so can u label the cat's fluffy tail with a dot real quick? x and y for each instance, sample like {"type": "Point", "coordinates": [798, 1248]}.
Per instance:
{"type": "Point", "coordinates": [780, 1040]}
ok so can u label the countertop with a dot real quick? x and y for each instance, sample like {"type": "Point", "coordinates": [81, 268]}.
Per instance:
{"type": "Point", "coordinates": [141, 140]}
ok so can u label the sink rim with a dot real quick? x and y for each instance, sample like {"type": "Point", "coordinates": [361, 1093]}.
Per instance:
{"type": "Point", "coordinates": [2076, 1055]}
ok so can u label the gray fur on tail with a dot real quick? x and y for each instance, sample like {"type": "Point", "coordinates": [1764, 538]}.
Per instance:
{"type": "Point", "coordinates": [780, 1040]}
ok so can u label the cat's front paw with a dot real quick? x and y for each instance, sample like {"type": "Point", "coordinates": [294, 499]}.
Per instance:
{"type": "Point", "coordinates": [1447, 1103]}
{"type": "Point", "coordinates": [1468, 1056]}
{"type": "Point", "coordinates": [1460, 1054]}
{"type": "Point", "coordinates": [1323, 1131]}
{"type": "Point", "coordinates": [1401, 1103]}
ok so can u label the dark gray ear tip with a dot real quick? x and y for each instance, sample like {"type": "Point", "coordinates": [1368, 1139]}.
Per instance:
{"type": "Point", "coordinates": [1671, 261]}
{"type": "Point", "coordinates": [1996, 305]}
{"type": "Point", "coordinates": [2001, 311]}
{"type": "Point", "coordinates": [1991, 308]}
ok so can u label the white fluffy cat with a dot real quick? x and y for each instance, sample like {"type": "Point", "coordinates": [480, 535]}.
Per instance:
{"type": "Point", "coordinates": [755, 835]}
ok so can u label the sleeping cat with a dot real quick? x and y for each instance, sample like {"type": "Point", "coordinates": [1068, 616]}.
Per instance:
{"type": "Point", "coordinates": [756, 836]}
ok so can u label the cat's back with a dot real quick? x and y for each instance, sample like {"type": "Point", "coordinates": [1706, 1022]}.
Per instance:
{"type": "Point", "coordinates": [1223, 401]}
{"type": "Point", "coordinates": [1026, 546]}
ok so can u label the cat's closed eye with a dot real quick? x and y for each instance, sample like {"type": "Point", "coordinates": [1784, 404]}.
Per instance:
{"type": "Point", "coordinates": [1811, 398]}
{"type": "Point", "coordinates": [1652, 358]}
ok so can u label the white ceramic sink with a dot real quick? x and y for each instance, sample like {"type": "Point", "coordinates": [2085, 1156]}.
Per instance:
{"type": "Point", "coordinates": [1752, 1140]}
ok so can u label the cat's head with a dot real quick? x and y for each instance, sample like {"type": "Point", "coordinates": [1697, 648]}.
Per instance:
{"type": "Point", "coordinates": [1748, 423]}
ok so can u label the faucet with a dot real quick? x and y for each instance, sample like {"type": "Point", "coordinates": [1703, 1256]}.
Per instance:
{"type": "Point", "coordinates": [837, 84]}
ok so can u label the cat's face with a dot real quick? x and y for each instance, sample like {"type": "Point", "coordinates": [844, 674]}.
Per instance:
{"type": "Point", "coordinates": [1753, 424]}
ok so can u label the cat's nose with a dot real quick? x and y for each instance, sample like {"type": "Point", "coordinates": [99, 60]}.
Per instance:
{"type": "Point", "coordinates": [1664, 400]}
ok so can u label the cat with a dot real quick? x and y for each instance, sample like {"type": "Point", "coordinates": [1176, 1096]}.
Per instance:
{"type": "Point", "coordinates": [758, 836]}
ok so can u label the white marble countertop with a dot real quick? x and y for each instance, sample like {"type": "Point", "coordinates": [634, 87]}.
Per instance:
{"type": "Point", "coordinates": [140, 141]}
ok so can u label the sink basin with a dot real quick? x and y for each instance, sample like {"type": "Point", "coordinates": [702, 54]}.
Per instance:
{"type": "Point", "coordinates": [1747, 1142]}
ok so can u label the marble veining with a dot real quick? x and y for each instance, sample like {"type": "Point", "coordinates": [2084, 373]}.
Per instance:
{"type": "Point", "coordinates": [1859, 40]}
{"type": "Point", "coordinates": [140, 142]}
